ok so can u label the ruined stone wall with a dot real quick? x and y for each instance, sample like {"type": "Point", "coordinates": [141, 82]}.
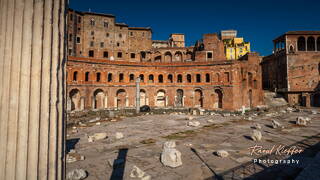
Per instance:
{"type": "Point", "coordinates": [206, 85]}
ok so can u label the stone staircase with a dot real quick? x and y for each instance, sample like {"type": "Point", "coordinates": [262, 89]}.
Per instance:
{"type": "Point", "coordinates": [272, 100]}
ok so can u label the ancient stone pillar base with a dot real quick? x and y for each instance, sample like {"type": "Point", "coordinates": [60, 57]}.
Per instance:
{"type": "Point", "coordinates": [32, 85]}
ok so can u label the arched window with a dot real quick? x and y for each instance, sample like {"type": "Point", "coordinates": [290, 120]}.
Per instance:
{"type": "Point", "coordinates": [318, 44]}
{"type": "Point", "coordinates": [131, 77]}
{"type": "Point", "coordinates": [311, 44]}
{"type": "Point", "coordinates": [170, 78]}
{"type": "Point", "coordinates": [98, 77]}
{"type": "Point", "coordinates": [301, 44]}
{"type": "Point", "coordinates": [160, 78]}
{"type": "Point", "coordinates": [75, 76]}
{"type": "Point", "coordinates": [141, 76]}
{"type": "Point", "coordinates": [291, 49]}
{"type": "Point", "coordinates": [121, 77]}
{"type": "Point", "coordinates": [87, 76]}
{"type": "Point", "coordinates": [110, 77]}
{"type": "Point", "coordinates": [179, 80]}
{"type": "Point", "coordinates": [151, 79]}
{"type": "Point", "coordinates": [207, 77]}
{"type": "Point", "coordinates": [198, 78]}
{"type": "Point", "coordinates": [189, 78]}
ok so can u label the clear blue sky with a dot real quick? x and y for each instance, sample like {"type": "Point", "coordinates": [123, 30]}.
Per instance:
{"type": "Point", "coordinates": [258, 21]}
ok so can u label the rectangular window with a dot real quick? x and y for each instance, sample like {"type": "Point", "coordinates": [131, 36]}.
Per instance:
{"type": "Point", "coordinates": [105, 24]}
{"type": "Point", "coordinates": [133, 55]}
{"type": "Point", "coordinates": [105, 54]}
{"type": "Point", "coordinates": [118, 44]}
{"type": "Point", "coordinates": [78, 39]}
{"type": "Point", "coordinates": [102, 44]}
{"type": "Point", "coordinates": [70, 52]}
{"type": "Point", "coordinates": [91, 53]}
{"type": "Point", "coordinates": [70, 37]}
{"type": "Point", "coordinates": [91, 44]}
{"type": "Point", "coordinates": [119, 55]}
{"type": "Point", "coordinates": [131, 33]}
{"type": "Point", "coordinates": [209, 55]}
{"type": "Point", "coordinates": [92, 33]}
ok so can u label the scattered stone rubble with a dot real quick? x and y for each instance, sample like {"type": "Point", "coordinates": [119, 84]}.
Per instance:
{"type": "Point", "coordinates": [119, 135]}
{"type": "Point", "coordinates": [193, 123]}
{"type": "Point", "coordinates": [276, 124]}
{"type": "Point", "coordinates": [138, 173]}
{"type": "Point", "coordinates": [256, 135]}
{"type": "Point", "coordinates": [76, 174]}
{"type": "Point", "coordinates": [302, 121]}
{"type": "Point", "coordinates": [222, 153]}
{"type": "Point", "coordinates": [96, 137]}
{"type": "Point", "coordinates": [170, 156]}
{"type": "Point", "coordinates": [257, 126]}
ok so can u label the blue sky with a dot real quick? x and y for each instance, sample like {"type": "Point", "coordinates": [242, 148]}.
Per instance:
{"type": "Point", "coordinates": [257, 21]}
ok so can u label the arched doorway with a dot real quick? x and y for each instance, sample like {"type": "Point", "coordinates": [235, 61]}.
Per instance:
{"type": "Point", "coordinates": [161, 98]}
{"type": "Point", "coordinates": [179, 98]}
{"type": "Point", "coordinates": [218, 99]}
{"type": "Point", "coordinates": [75, 100]}
{"type": "Point", "coordinates": [143, 98]}
{"type": "Point", "coordinates": [98, 96]}
{"type": "Point", "coordinates": [121, 98]}
{"type": "Point", "coordinates": [198, 96]}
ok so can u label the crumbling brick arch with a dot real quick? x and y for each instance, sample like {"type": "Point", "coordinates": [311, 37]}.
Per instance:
{"type": "Point", "coordinates": [74, 99]}
{"type": "Point", "coordinates": [98, 99]}
{"type": "Point", "coordinates": [218, 98]}
{"type": "Point", "coordinates": [161, 99]}
{"type": "Point", "coordinates": [198, 97]}
{"type": "Point", "coordinates": [311, 44]}
{"type": "Point", "coordinates": [122, 99]}
{"type": "Point", "coordinates": [168, 56]}
{"type": "Point", "coordinates": [75, 76]}
{"type": "Point", "coordinates": [301, 43]}
{"type": "Point", "coordinates": [178, 56]}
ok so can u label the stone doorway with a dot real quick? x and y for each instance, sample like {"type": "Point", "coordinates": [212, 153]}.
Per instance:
{"type": "Point", "coordinates": [198, 96]}
{"type": "Point", "coordinates": [99, 97]}
{"type": "Point", "coordinates": [179, 98]}
{"type": "Point", "coordinates": [161, 98]}
{"type": "Point", "coordinates": [75, 100]}
{"type": "Point", "coordinates": [218, 98]}
{"type": "Point", "coordinates": [143, 99]}
{"type": "Point", "coordinates": [121, 98]}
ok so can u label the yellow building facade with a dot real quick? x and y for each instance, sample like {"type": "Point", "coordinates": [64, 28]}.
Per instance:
{"type": "Point", "coordinates": [234, 46]}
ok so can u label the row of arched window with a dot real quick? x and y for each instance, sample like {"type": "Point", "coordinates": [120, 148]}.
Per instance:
{"type": "Point", "coordinates": [309, 44]}
{"type": "Point", "coordinates": [151, 79]}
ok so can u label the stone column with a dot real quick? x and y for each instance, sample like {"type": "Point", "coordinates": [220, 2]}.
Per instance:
{"type": "Point", "coordinates": [32, 87]}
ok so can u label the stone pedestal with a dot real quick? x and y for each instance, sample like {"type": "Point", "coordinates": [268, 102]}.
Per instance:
{"type": "Point", "coordinates": [32, 87]}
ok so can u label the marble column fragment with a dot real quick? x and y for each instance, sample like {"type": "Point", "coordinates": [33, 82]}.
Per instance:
{"type": "Point", "coordinates": [32, 87]}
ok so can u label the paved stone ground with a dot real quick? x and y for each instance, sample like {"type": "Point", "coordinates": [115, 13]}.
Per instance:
{"type": "Point", "coordinates": [229, 133]}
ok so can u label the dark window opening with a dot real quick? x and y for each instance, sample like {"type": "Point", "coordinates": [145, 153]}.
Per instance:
{"type": "Point", "coordinates": [105, 54]}
{"type": "Point", "coordinates": [70, 52]}
{"type": "Point", "coordinates": [207, 77]}
{"type": "Point", "coordinates": [91, 53]}
{"type": "Point", "coordinates": [141, 77]}
{"type": "Point", "coordinates": [110, 77]}
{"type": "Point", "coordinates": [70, 37]}
{"type": "Point", "coordinates": [78, 39]}
{"type": "Point", "coordinates": [118, 44]}
{"type": "Point", "coordinates": [151, 79]}
{"type": "Point", "coordinates": [119, 55]}
{"type": "Point", "coordinates": [133, 55]}
{"type": "Point", "coordinates": [75, 76]}
{"type": "Point", "coordinates": [102, 44]}
{"type": "Point", "coordinates": [71, 17]}
{"type": "Point", "coordinates": [311, 44]}
{"type": "Point", "coordinates": [105, 24]}
{"type": "Point", "coordinates": [92, 33]}
{"type": "Point", "coordinates": [87, 76]}
{"type": "Point", "coordinates": [301, 44]}
{"type": "Point", "coordinates": [91, 43]}
{"type": "Point", "coordinates": [107, 35]}
{"type": "Point", "coordinates": [198, 77]}
{"type": "Point", "coordinates": [189, 78]}
{"type": "Point", "coordinates": [160, 78]}
{"type": "Point", "coordinates": [92, 22]}
{"type": "Point", "coordinates": [131, 77]}
{"type": "Point", "coordinates": [170, 78]}
{"type": "Point", "coordinates": [120, 35]}
{"type": "Point", "coordinates": [209, 55]}
{"type": "Point", "coordinates": [98, 77]}
{"type": "Point", "coordinates": [179, 80]}
{"type": "Point", "coordinates": [121, 77]}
